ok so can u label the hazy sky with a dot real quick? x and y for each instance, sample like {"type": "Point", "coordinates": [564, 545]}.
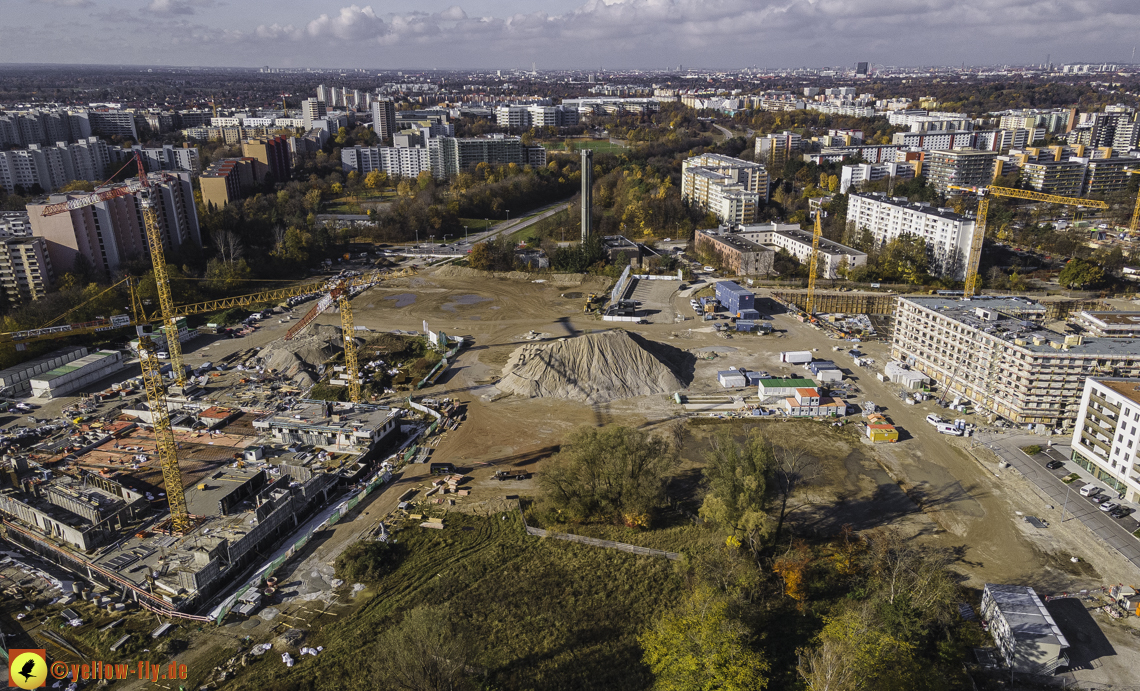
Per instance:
{"type": "Point", "coordinates": [567, 33]}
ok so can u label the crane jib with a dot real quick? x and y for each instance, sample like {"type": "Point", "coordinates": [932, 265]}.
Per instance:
{"type": "Point", "coordinates": [72, 204]}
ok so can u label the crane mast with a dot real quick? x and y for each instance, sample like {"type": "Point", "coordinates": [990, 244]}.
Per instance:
{"type": "Point", "coordinates": [166, 448]}
{"type": "Point", "coordinates": [984, 193]}
{"type": "Point", "coordinates": [813, 263]}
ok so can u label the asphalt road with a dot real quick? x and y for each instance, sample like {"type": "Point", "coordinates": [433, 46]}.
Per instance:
{"type": "Point", "coordinates": [1113, 532]}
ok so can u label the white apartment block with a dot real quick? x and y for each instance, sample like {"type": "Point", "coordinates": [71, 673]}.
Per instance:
{"type": "Point", "coordinates": [833, 257]}
{"type": "Point", "coordinates": [14, 223]}
{"type": "Point", "coordinates": [51, 167]}
{"type": "Point", "coordinates": [405, 162]}
{"type": "Point", "coordinates": [922, 120]}
{"type": "Point", "coordinates": [730, 188]}
{"type": "Point", "coordinates": [992, 351]}
{"type": "Point", "coordinates": [1105, 440]}
{"type": "Point", "coordinates": [948, 235]}
{"type": "Point", "coordinates": [854, 175]}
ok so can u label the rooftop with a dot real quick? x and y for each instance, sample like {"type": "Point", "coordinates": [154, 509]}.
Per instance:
{"type": "Point", "coordinates": [736, 242]}
{"type": "Point", "coordinates": [1027, 617]}
{"type": "Point", "coordinates": [921, 207]}
{"type": "Point", "coordinates": [1007, 326]}
{"type": "Point", "coordinates": [1128, 388]}
{"type": "Point", "coordinates": [1112, 318]}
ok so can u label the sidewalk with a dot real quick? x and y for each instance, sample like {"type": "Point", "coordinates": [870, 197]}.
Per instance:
{"type": "Point", "coordinates": [1064, 497]}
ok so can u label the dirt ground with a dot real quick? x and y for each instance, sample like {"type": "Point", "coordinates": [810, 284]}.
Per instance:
{"type": "Point", "coordinates": [930, 486]}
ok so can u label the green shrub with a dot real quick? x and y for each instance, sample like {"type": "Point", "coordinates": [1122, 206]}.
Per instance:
{"type": "Point", "coordinates": [367, 561]}
{"type": "Point", "coordinates": [1032, 450]}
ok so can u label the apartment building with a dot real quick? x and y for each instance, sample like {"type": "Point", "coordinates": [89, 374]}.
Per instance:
{"type": "Point", "coordinates": [776, 148]}
{"type": "Point", "coordinates": [450, 155]}
{"type": "Point", "coordinates": [1108, 175]}
{"type": "Point", "coordinates": [834, 258]}
{"type": "Point", "coordinates": [112, 123]}
{"type": "Point", "coordinates": [112, 231]}
{"type": "Point", "coordinates": [51, 167]}
{"type": "Point", "coordinates": [384, 118]}
{"type": "Point", "coordinates": [273, 153]}
{"type": "Point", "coordinates": [313, 109]}
{"type": "Point", "coordinates": [993, 352]}
{"type": "Point", "coordinates": [730, 188]}
{"type": "Point", "coordinates": [1065, 178]}
{"type": "Point", "coordinates": [25, 269]}
{"type": "Point", "coordinates": [736, 255]}
{"type": "Point", "coordinates": [1108, 324]}
{"type": "Point", "coordinates": [229, 179]}
{"type": "Point", "coordinates": [855, 175]}
{"type": "Point", "coordinates": [14, 223]}
{"type": "Point", "coordinates": [1105, 439]}
{"type": "Point", "coordinates": [405, 162]}
{"type": "Point", "coordinates": [947, 234]}
{"type": "Point", "coordinates": [964, 167]}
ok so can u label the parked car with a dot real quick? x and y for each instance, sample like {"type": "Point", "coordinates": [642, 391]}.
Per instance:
{"type": "Point", "coordinates": [1089, 490]}
{"type": "Point", "coordinates": [1053, 465]}
{"type": "Point", "coordinates": [1099, 498]}
{"type": "Point", "coordinates": [1122, 512]}
{"type": "Point", "coordinates": [935, 420]}
{"type": "Point", "coordinates": [1109, 506]}
{"type": "Point", "coordinates": [162, 355]}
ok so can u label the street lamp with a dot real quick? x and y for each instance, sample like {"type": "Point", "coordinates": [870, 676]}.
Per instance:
{"type": "Point", "coordinates": [486, 224]}
{"type": "Point", "coordinates": [445, 237]}
{"type": "Point", "coordinates": [508, 215]}
{"type": "Point", "coordinates": [417, 236]}
{"type": "Point", "coordinates": [466, 237]}
{"type": "Point", "coordinates": [1066, 506]}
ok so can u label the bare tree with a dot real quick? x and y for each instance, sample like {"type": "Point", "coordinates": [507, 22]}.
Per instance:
{"type": "Point", "coordinates": [279, 240]}
{"type": "Point", "coordinates": [828, 667]}
{"type": "Point", "coordinates": [794, 468]}
{"type": "Point", "coordinates": [228, 244]}
{"type": "Point", "coordinates": [424, 652]}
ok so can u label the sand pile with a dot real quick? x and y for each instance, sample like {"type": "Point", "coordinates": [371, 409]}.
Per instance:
{"type": "Point", "coordinates": [596, 368]}
{"type": "Point", "coordinates": [300, 357]}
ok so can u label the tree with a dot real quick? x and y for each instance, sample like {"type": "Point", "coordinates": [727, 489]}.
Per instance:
{"type": "Point", "coordinates": [737, 478]}
{"type": "Point", "coordinates": [376, 180]}
{"type": "Point", "coordinates": [701, 646]}
{"type": "Point", "coordinates": [424, 652]}
{"type": "Point", "coordinates": [794, 467]}
{"type": "Point", "coordinates": [78, 186]}
{"type": "Point", "coordinates": [609, 472]}
{"type": "Point", "coordinates": [1079, 273]}
{"type": "Point", "coordinates": [832, 183]}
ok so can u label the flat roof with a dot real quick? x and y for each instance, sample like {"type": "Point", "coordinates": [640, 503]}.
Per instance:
{"type": "Point", "coordinates": [776, 382]}
{"type": "Point", "coordinates": [1026, 615]}
{"type": "Point", "coordinates": [806, 391]}
{"type": "Point", "coordinates": [735, 241]}
{"type": "Point", "coordinates": [1112, 318]}
{"type": "Point", "coordinates": [920, 207]}
{"type": "Point", "coordinates": [1008, 328]}
{"type": "Point", "coordinates": [1128, 388]}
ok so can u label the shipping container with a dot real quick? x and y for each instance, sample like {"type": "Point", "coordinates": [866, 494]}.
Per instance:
{"type": "Point", "coordinates": [734, 297]}
{"type": "Point", "coordinates": [796, 357]}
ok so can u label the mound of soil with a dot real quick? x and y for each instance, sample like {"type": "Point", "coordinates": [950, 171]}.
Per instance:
{"type": "Point", "coordinates": [300, 357]}
{"type": "Point", "coordinates": [596, 368]}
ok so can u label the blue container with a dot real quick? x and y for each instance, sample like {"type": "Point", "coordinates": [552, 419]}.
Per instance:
{"type": "Point", "coordinates": [734, 297]}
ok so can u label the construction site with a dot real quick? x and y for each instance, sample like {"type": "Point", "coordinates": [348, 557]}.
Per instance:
{"type": "Point", "coordinates": [219, 483]}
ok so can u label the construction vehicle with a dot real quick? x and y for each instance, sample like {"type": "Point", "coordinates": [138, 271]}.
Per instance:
{"type": "Point", "coordinates": [593, 302]}
{"type": "Point", "coordinates": [813, 266]}
{"type": "Point", "coordinates": [984, 194]}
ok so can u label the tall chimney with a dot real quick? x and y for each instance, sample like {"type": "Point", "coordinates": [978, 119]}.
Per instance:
{"type": "Point", "coordinates": [587, 191]}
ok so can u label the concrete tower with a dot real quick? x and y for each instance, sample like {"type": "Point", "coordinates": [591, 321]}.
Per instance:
{"type": "Point", "coordinates": [587, 191]}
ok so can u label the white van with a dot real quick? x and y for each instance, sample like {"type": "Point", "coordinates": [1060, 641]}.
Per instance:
{"type": "Point", "coordinates": [1089, 490]}
{"type": "Point", "coordinates": [948, 429]}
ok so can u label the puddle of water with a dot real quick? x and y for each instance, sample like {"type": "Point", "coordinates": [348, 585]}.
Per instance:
{"type": "Point", "coordinates": [463, 300]}
{"type": "Point", "coordinates": [402, 299]}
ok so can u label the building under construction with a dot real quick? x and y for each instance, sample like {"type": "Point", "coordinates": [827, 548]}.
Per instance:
{"type": "Point", "coordinates": [269, 471]}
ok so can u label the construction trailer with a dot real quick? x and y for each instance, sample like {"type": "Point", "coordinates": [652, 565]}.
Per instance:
{"type": "Point", "coordinates": [735, 297]}
{"type": "Point", "coordinates": [879, 432]}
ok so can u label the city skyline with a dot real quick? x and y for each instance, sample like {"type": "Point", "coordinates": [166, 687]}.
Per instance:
{"type": "Point", "coordinates": [563, 34]}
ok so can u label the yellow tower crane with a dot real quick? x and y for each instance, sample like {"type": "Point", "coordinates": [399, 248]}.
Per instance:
{"type": "Point", "coordinates": [984, 194]}
{"type": "Point", "coordinates": [813, 264]}
{"type": "Point", "coordinates": [141, 187]}
{"type": "Point", "coordinates": [1134, 226]}
{"type": "Point", "coordinates": [167, 449]}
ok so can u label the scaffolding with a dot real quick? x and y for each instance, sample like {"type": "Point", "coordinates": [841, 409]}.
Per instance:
{"type": "Point", "coordinates": [841, 303]}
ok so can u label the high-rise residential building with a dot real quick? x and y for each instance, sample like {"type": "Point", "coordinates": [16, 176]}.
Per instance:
{"type": "Point", "coordinates": [993, 352]}
{"type": "Point", "coordinates": [25, 268]}
{"type": "Point", "coordinates": [111, 123]}
{"type": "Point", "coordinates": [775, 149]}
{"type": "Point", "coordinates": [112, 231]}
{"type": "Point", "coordinates": [450, 155]}
{"type": "Point", "coordinates": [313, 109]}
{"type": "Point", "coordinates": [861, 68]}
{"type": "Point", "coordinates": [273, 152]}
{"type": "Point", "coordinates": [14, 223]}
{"type": "Point", "coordinates": [51, 167]}
{"type": "Point", "coordinates": [404, 162]}
{"type": "Point", "coordinates": [323, 94]}
{"type": "Point", "coordinates": [730, 188]}
{"type": "Point", "coordinates": [169, 157]}
{"type": "Point", "coordinates": [947, 234]}
{"type": "Point", "coordinates": [1105, 438]}
{"type": "Point", "coordinates": [384, 118]}
{"type": "Point", "coordinates": [229, 179]}
{"type": "Point", "coordinates": [965, 167]}
{"type": "Point", "coordinates": [1108, 175]}
{"type": "Point", "coordinates": [855, 175]}
{"type": "Point", "coordinates": [1064, 178]}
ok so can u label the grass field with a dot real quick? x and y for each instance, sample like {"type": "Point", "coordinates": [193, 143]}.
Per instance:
{"type": "Point", "coordinates": [548, 614]}
{"type": "Point", "coordinates": [598, 145]}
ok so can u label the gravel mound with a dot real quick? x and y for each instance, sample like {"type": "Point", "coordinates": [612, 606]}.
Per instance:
{"type": "Point", "coordinates": [300, 357]}
{"type": "Point", "coordinates": [596, 368]}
